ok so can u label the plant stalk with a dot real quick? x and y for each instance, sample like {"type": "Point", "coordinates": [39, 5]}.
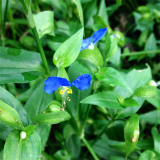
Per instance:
{"type": "Point", "coordinates": [28, 13]}
{"type": "Point", "coordinates": [140, 53]}
{"type": "Point", "coordinates": [90, 149]}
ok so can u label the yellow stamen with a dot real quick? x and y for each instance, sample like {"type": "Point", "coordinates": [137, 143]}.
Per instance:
{"type": "Point", "coordinates": [70, 91]}
{"type": "Point", "coordinates": [68, 99]}
{"type": "Point", "coordinates": [61, 92]}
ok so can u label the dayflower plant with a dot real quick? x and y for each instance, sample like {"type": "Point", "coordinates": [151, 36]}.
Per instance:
{"type": "Point", "coordinates": [53, 83]}
{"type": "Point", "coordinates": [89, 43]}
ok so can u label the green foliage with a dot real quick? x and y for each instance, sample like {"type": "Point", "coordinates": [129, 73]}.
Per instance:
{"type": "Point", "coordinates": [42, 39]}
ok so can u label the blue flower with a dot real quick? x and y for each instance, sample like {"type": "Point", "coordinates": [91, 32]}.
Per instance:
{"type": "Point", "coordinates": [53, 83]}
{"type": "Point", "coordinates": [90, 42]}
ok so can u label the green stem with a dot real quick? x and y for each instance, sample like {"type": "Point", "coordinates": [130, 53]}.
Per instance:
{"type": "Point", "coordinates": [85, 118]}
{"type": "Point", "coordinates": [12, 24]}
{"type": "Point", "coordinates": [90, 149]}
{"type": "Point", "coordinates": [157, 117]}
{"type": "Point", "coordinates": [4, 20]}
{"type": "Point", "coordinates": [45, 63]}
{"type": "Point", "coordinates": [28, 13]}
{"type": "Point", "coordinates": [140, 53]}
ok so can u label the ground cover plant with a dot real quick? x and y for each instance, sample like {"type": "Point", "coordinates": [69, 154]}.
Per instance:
{"type": "Point", "coordinates": [79, 80]}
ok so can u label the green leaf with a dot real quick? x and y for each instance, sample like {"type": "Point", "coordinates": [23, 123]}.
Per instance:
{"type": "Point", "coordinates": [118, 2]}
{"type": "Point", "coordinates": [107, 43]}
{"type": "Point", "coordinates": [131, 133]}
{"type": "Point", "coordinates": [69, 50]}
{"type": "Point", "coordinates": [19, 66]}
{"type": "Point", "coordinates": [104, 99]}
{"type": "Point", "coordinates": [9, 99]}
{"type": "Point", "coordinates": [148, 155]}
{"type": "Point", "coordinates": [26, 149]}
{"type": "Point", "coordinates": [44, 23]}
{"type": "Point", "coordinates": [156, 138]}
{"type": "Point", "coordinates": [145, 91]}
{"type": "Point", "coordinates": [135, 79]}
{"type": "Point", "coordinates": [29, 129]}
{"type": "Point", "coordinates": [9, 116]}
{"type": "Point", "coordinates": [115, 60]}
{"type": "Point", "coordinates": [150, 117]}
{"type": "Point", "coordinates": [51, 118]}
{"type": "Point", "coordinates": [112, 76]}
{"type": "Point", "coordinates": [73, 146]}
{"type": "Point", "coordinates": [80, 11]}
{"type": "Point", "coordinates": [155, 101]}
{"type": "Point", "coordinates": [113, 48]}
{"type": "Point", "coordinates": [102, 11]}
{"type": "Point", "coordinates": [92, 56]}
{"type": "Point", "coordinates": [44, 131]}
{"type": "Point", "coordinates": [120, 38]}
{"type": "Point", "coordinates": [38, 100]}
{"type": "Point", "coordinates": [127, 102]}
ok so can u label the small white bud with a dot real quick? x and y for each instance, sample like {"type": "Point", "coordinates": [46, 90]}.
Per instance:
{"type": "Point", "coordinates": [23, 134]}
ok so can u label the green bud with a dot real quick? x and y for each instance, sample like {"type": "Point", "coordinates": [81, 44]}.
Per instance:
{"type": "Point", "coordinates": [9, 116]}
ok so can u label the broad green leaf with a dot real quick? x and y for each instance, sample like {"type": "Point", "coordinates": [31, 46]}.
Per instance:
{"type": "Point", "coordinates": [131, 133]}
{"type": "Point", "coordinates": [92, 56]}
{"type": "Point", "coordinates": [112, 76]}
{"type": "Point", "coordinates": [80, 11]}
{"type": "Point", "coordinates": [9, 116]}
{"type": "Point", "coordinates": [115, 60]}
{"type": "Point", "coordinates": [150, 117]}
{"type": "Point", "coordinates": [29, 129]}
{"type": "Point", "coordinates": [127, 102]}
{"type": "Point", "coordinates": [145, 91]}
{"type": "Point", "coordinates": [9, 99]}
{"type": "Point", "coordinates": [103, 149]}
{"type": "Point", "coordinates": [103, 12]}
{"type": "Point", "coordinates": [68, 131]}
{"type": "Point", "coordinates": [151, 44]}
{"type": "Point", "coordinates": [44, 131]}
{"type": "Point", "coordinates": [89, 11]}
{"type": "Point", "coordinates": [73, 146]}
{"type": "Point", "coordinates": [148, 155]}
{"type": "Point", "coordinates": [4, 130]}
{"type": "Point", "coordinates": [51, 118]}
{"type": "Point", "coordinates": [113, 48]}
{"type": "Point", "coordinates": [156, 138]}
{"type": "Point", "coordinates": [104, 99]}
{"type": "Point", "coordinates": [84, 67]}
{"type": "Point", "coordinates": [19, 66]}
{"type": "Point", "coordinates": [135, 79]}
{"type": "Point", "coordinates": [55, 42]}
{"type": "Point", "coordinates": [38, 100]}
{"type": "Point", "coordinates": [44, 23]}
{"type": "Point", "coordinates": [26, 149]}
{"type": "Point", "coordinates": [69, 50]}
{"type": "Point", "coordinates": [155, 101]}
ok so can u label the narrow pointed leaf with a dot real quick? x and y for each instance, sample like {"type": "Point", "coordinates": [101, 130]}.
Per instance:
{"type": "Point", "coordinates": [69, 50]}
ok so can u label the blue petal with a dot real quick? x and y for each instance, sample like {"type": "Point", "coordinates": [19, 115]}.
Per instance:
{"type": "Point", "coordinates": [86, 42]}
{"type": "Point", "coordinates": [82, 82]}
{"type": "Point", "coordinates": [99, 34]}
{"type": "Point", "coordinates": [53, 83]}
